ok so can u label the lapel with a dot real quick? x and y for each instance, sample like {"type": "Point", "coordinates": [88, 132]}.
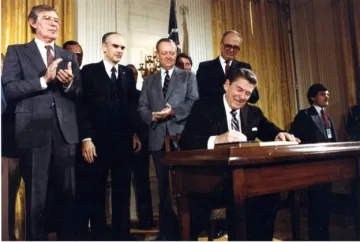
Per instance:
{"type": "Point", "coordinates": [219, 117]}
{"type": "Point", "coordinates": [104, 77]}
{"type": "Point", "coordinates": [218, 69]}
{"type": "Point", "coordinates": [246, 120]}
{"type": "Point", "coordinates": [317, 120]}
{"type": "Point", "coordinates": [33, 53]}
{"type": "Point", "coordinates": [175, 77]}
{"type": "Point", "coordinates": [158, 85]}
{"type": "Point", "coordinates": [122, 81]}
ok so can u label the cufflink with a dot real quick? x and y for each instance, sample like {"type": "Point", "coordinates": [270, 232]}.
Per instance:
{"type": "Point", "coordinates": [254, 129]}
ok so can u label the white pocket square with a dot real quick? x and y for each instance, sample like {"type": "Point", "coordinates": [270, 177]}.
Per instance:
{"type": "Point", "coordinates": [254, 129]}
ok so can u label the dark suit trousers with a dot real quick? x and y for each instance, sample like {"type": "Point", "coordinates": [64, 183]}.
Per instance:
{"type": "Point", "coordinates": [168, 227]}
{"type": "Point", "coordinates": [318, 211]}
{"type": "Point", "coordinates": [140, 169]}
{"type": "Point", "coordinates": [45, 168]}
{"type": "Point", "coordinates": [92, 183]}
{"type": "Point", "coordinates": [10, 181]}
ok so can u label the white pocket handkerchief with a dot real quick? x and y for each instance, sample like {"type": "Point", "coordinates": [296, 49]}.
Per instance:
{"type": "Point", "coordinates": [254, 129]}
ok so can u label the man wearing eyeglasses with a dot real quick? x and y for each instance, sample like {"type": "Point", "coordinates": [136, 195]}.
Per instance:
{"type": "Point", "coordinates": [75, 47]}
{"type": "Point", "coordinates": [108, 114]}
{"type": "Point", "coordinates": [42, 81]}
{"type": "Point", "coordinates": [211, 75]}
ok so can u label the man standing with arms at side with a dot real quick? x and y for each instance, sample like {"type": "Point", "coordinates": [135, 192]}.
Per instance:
{"type": "Point", "coordinates": [106, 130]}
{"type": "Point", "coordinates": [212, 74]}
{"type": "Point", "coordinates": [314, 125]}
{"type": "Point", "coordinates": [165, 102]}
{"type": "Point", "coordinates": [44, 81]}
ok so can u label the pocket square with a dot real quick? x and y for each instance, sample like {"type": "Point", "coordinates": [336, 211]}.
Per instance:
{"type": "Point", "coordinates": [254, 129]}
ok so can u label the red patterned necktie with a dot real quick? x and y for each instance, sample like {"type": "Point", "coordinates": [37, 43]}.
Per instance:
{"type": "Point", "coordinates": [325, 118]}
{"type": "Point", "coordinates": [166, 83]}
{"type": "Point", "coordinates": [49, 55]}
{"type": "Point", "coordinates": [227, 68]}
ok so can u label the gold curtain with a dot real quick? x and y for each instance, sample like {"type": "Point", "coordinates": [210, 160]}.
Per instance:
{"type": "Point", "coordinates": [265, 46]}
{"type": "Point", "coordinates": [16, 30]}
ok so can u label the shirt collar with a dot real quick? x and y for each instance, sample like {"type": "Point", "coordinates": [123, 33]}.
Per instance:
{"type": "Point", "coordinates": [226, 105]}
{"type": "Point", "coordinates": [318, 109]}
{"type": "Point", "coordinates": [163, 71]}
{"type": "Point", "coordinates": [109, 66]}
{"type": "Point", "coordinates": [41, 44]}
{"type": "Point", "coordinates": [222, 60]}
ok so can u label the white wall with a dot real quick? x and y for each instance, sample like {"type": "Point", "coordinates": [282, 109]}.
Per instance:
{"type": "Point", "coordinates": [142, 23]}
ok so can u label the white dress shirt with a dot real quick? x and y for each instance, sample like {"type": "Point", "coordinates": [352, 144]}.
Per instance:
{"type": "Point", "coordinates": [41, 46]}
{"type": "Point", "coordinates": [163, 74]}
{"type": "Point", "coordinates": [211, 140]}
{"type": "Point", "coordinates": [109, 66]}
{"type": "Point", "coordinates": [318, 110]}
{"type": "Point", "coordinates": [223, 63]}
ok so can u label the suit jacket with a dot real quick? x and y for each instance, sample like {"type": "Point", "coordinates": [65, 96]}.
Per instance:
{"type": "Point", "coordinates": [208, 118]}
{"type": "Point", "coordinates": [33, 106]}
{"type": "Point", "coordinates": [181, 95]}
{"type": "Point", "coordinates": [309, 128]}
{"type": "Point", "coordinates": [211, 79]}
{"type": "Point", "coordinates": [141, 128]}
{"type": "Point", "coordinates": [353, 123]}
{"type": "Point", "coordinates": [107, 109]}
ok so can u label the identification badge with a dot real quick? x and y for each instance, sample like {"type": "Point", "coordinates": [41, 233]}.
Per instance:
{"type": "Point", "coordinates": [328, 132]}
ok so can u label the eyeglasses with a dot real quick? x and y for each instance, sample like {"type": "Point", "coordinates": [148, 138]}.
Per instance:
{"type": "Point", "coordinates": [229, 47]}
{"type": "Point", "coordinates": [50, 19]}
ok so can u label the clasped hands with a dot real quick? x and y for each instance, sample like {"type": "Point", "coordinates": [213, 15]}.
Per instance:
{"type": "Point", "coordinates": [163, 114]}
{"type": "Point", "coordinates": [236, 136]}
{"type": "Point", "coordinates": [64, 76]}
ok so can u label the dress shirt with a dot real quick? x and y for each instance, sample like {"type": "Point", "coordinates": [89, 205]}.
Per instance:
{"type": "Point", "coordinates": [318, 110]}
{"type": "Point", "coordinates": [108, 68]}
{"type": "Point", "coordinates": [223, 63]}
{"type": "Point", "coordinates": [163, 74]}
{"type": "Point", "coordinates": [211, 140]}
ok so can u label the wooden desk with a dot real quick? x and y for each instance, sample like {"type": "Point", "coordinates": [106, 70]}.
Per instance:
{"type": "Point", "coordinates": [257, 171]}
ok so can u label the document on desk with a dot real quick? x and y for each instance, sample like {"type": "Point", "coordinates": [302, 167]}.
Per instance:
{"type": "Point", "coordinates": [255, 143]}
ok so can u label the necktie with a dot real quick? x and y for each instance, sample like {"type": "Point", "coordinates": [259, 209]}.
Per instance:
{"type": "Point", "coordinates": [49, 55]}
{"type": "Point", "coordinates": [166, 83]}
{"type": "Point", "coordinates": [227, 68]}
{"type": "Point", "coordinates": [234, 121]}
{"type": "Point", "coordinates": [325, 118]}
{"type": "Point", "coordinates": [113, 75]}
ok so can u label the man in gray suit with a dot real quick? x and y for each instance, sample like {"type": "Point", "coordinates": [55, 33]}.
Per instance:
{"type": "Point", "coordinates": [43, 82]}
{"type": "Point", "coordinates": [165, 102]}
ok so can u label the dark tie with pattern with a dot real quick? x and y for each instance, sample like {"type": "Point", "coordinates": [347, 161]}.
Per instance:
{"type": "Point", "coordinates": [166, 83]}
{"type": "Point", "coordinates": [227, 68]}
{"type": "Point", "coordinates": [49, 55]}
{"type": "Point", "coordinates": [325, 118]}
{"type": "Point", "coordinates": [234, 121]}
{"type": "Point", "coordinates": [113, 75]}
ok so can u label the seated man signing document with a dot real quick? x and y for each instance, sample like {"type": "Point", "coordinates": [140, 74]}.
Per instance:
{"type": "Point", "coordinates": [231, 119]}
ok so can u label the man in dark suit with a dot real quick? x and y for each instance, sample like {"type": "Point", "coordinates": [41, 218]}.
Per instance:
{"type": "Point", "coordinates": [211, 75]}
{"type": "Point", "coordinates": [10, 169]}
{"type": "Point", "coordinates": [44, 81]}
{"type": "Point", "coordinates": [229, 118]}
{"type": "Point", "coordinates": [140, 170]}
{"type": "Point", "coordinates": [165, 102]}
{"type": "Point", "coordinates": [106, 130]}
{"type": "Point", "coordinates": [353, 123]}
{"type": "Point", "coordinates": [314, 125]}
